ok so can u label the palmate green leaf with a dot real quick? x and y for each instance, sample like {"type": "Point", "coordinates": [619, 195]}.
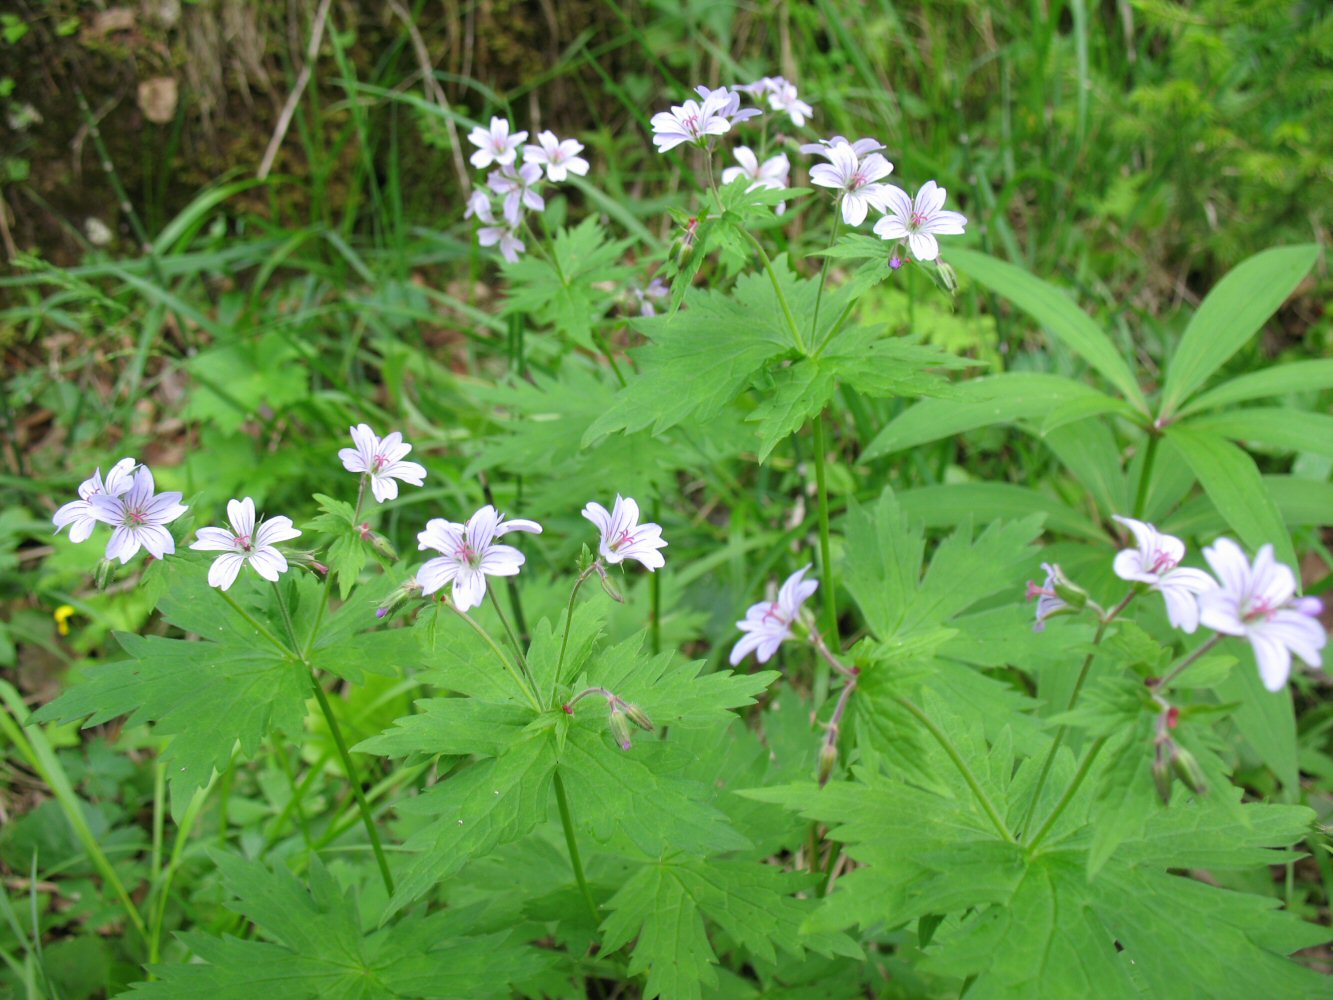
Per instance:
{"type": "Point", "coordinates": [318, 950]}
{"type": "Point", "coordinates": [980, 402]}
{"type": "Point", "coordinates": [950, 505]}
{"type": "Point", "coordinates": [664, 906]}
{"type": "Point", "coordinates": [1231, 314]}
{"type": "Point", "coordinates": [454, 727]}
{"type": "Point", "coordinates": [702, 357]}
{"type": "Point", "coordinates": [790, 397]}
{"type": "Point", "coordinates": [235, 686]}
{"type": "Point", "coordinates": [1058, 315]}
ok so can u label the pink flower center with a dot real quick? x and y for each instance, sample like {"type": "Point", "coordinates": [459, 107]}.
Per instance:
{"type": "Point", "coordinates": [378, 463]}
{"type": "Point", "coordinates": [624, 538]}
{"type": "Point", "coordinates": [1035, 591]}
{"type": "Point", "coordinates": [1161, 562]}
{"type": "Point", "coordinates": [242, 542]}
{"type": "Point", "coordinates": [465, 553]}
{"type": "Point", "coordinates": [1257, 609]}
{"type": "Point", "coordinates": [918, 219]}
{"type": "Point", "coordinates": [774, 613]}
{"type": "Point", "coordinates": [134, 517]}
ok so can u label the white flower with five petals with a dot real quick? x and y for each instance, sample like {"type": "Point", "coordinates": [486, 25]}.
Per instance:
{"type": "Point", "coordinates": [138, 517]}
{"type": "Point", "coordinates": [1156, 562]}
{"type": "Point", "coordinates": [382, 460]}
{"type": "Point", "coordinates": [517, 188]}
{"type": "Point", "coordinates": [560, 158]}
{"type": "Point", "coordinates": [920, 221]}
{"type": "Point", "coordinates": [80, 514]}
{"type": "Point", "coordinates": [783, 98]}
{"type": "Point", "coordinates": [692, 121]}
{"type": "Point", "coordinates": [772, 173]}
{"type": "Point", "coordinates": [768, 623]}
{"type": "Point", "coordinates": [623, 537]}
{"type": "Point", "coordinates": [494, 145]}
{"type": "Point", "coordinates": [469, 554]}
{"type": "Point", "coordinates": [1259, 602]}
{"type": "Point", "coordinates": [856, 178]}
{"type": "Point", "coordinates": [507, 240]}
{"type": "Point", "coordinates": [241, 542]}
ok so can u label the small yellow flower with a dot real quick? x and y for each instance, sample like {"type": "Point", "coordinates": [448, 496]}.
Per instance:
{"type": "Point", "coordinates": [62, 615]}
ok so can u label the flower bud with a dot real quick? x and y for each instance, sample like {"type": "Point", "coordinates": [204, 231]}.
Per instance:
{"type": "Point", "coordinates": [381, 545]}
{"type": "Point", "coordinates": [1161, 774]}
{"type": "Point", "coordinates": [102, 575]}
{"type": "Point", "coordinates": [1065, 589]}
{"type": "Point", "coordinates": [1188, 771]}
{"type": "Point", "coordinates": [638, 716]}
{"type": "Point", "coordinates": [895, 262]}
{"type": "Point", "coordinates": [608, 586]}
{"type": "Point", "coordinates": [828, 758]}
{"type": "Point", "coordinates": [619, 725]}
{"type": "Point", "coordinates": [409, 590]}
{"type": "Point", "coordinates": [948, 277]}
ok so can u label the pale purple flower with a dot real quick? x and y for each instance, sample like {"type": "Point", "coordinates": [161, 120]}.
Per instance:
{"type": "Point", "coordinates": [510, 245]}
{"type": "Point", "coordinates": [241, 542]}
{"type": "Point", "coordinates": [764, 85]}
{"type": "Point", "coordinates": [1259, 602]}
{"type": "Point", "coordinates": [656, 291]}
{"type": "Point", "coordinates": [728, 102]}
{"type": "Point", "coordinates": [382, 460]}
{"type": "Point", "coordinates": [494, 145]}
{"type": "Point", "coordinates": [772, 173]}
{"type": "Point", "coordinates": [516, 186]}
{"type": "Point", "coordinates": [560, 158]}
{"type": "Point", "coordinates": [470, 554]}
{"type": "Point", "coordinates": [80, 513]}
{"type": "Point", "coordinates": [623, 537]}
{"type": "Point", "coordinates": [1156, 562]}
{"type": "Point", "coordinates": [1048, 601]}
{"type": "Point", "coordinates": [138, 517]}
{"type": "Point", "coordinates": [782, 97]}
{"type": "Point", "coordinates": [479, 204]}
{"type": "Point", "coordinates": [860, 147]}
{"type": "Point", "coordinates": [692, 121]}
{"type": "Point", "coordinates": [919, 221]}
{"type": "Point", "coordinates": [855, 177]}
{"type": "Point", "coordinates": [768, 623]}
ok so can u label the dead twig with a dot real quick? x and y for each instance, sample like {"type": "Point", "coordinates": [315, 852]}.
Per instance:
{"type": "Point", "coordinates": [294, 98]}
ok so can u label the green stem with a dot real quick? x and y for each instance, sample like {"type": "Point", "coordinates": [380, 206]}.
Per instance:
{"type": "Point", "coordinates": [1145, 477]}
{"type": "Point", "coordinates": [1068, 796]}
{"type": "Point", "coordinates": [575, 862]}
{"type": "Point", "coordinates": [823, 278]}
{"type": "Point", "coordinates": [781, 296]}
{"type": "Point", "coordinates": [942, 738]}
{"type": "Point", "coordinates": [1187, 662]}
{"type": "Point", "coordinates": [569, 623]}
{"type": "Point", "coordinates": [1063, 731]}
{"type": "Point", "coordinates": [829, 584]}
{"type": "Point", "coordinates": [519, 679]}
{"type": "Point", "coordinates": [349, 768]}
{"type": "Point", "coordinates": [518, 646]}
{"type": "Point", "coordinates": [328, 574]}
{"type": "Point", "coordinates": [655, 601]}
{"type": "Point", "coordinates": [158, 916]}
{"type": "Point", "coordinates": [253, 621]}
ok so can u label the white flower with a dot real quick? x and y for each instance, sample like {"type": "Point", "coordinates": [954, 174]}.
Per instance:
{"type": "Point", "coordinates": [516, 186]}
{"type": "Point", "coordinates": [768, 623]}
{"type": "Point", "coordinates": [656, 291]}
{"type": "Point", "coordinates": [560, 158]}
{"type": "Point", "coordinates": [855, 177]}
{"type": "Point", "coordinates": [860, 147]}
{"type": "Point", "coordinates": [1156, 562]}
{"type": "Point", "coordinates": [479, 204]}
{"type": "Point", "coordinates": [783, 98]}
{"type": "Point", "coordinates": [1048, 601]}
{"type": "Point", "coordinates": [494, 145]}
{"type": "Point", "coordinates": [772, 173]}
{"type": "Point", "coordinates": [137, 517]}
{"type": "Point", "coordinates": [81, 513]}
{"type": "Point", "coordinates": [919, 221]}
{"type": "Point", "coordinates": [1259, 603]}
{"type": "Point", "coordinates": [622, 535]}
{"type": "Point", "coordinates": [242, 542]}
{"type": "Point", "coordinates": [382, 460]}
{"type": "Point", "coordinates": [728, 102]}
{"type": "Point", "coordinates": [510, 245]}
{"type": "Point", "coordinates": [470, 554]}
{"type": "Point", "coordinates": [692, 121]}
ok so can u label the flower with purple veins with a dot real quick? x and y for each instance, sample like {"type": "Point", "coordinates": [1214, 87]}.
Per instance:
{"type": "Point", "coordinates": [623, 537]}
{"type": "Point", "coordinates": [693, 121]}
{"type": "Point", "coordinates": [919, 221]}
{"type": "Point", "coordinates": [494, 145]}
{"type": "Point", "coordinates": [382, 460]}
{"type": "Point", "coordinates": [138, 517]}
{"type": "Point", "coordinates": [241, 542]}
{"type": "Point", "coordinates": [860, 147]}
{"type": "Point", "coordinates": [560, 158]}
{"type": "Point", "coordinates": [517, 188]}
{"type": "Point", "coordinates": [1259, 602]}
{"type": "Point", "coordinates": [469, 553]}
{"type": "Point", "coordinates": [782, 97]}
{"type": "Point", "coordinates": [856, 178]}
{"type": "Point", "coordinates": [1156, 562]}
{"type": "Point", "coordinates": [768, 624]}
{"type": "Point", "coordinates": [80, 513]}
{"type": "Point", "coordinates": [479, 204]}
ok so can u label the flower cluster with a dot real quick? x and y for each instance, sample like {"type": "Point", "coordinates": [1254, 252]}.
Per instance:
{"type": "Point", "coordinates": [126, 501]}
{"type": "Point", "coordinates": [1252, 600]}
{"type": "Point", "coordinates": [718, 109]}
{"type": "Point", "coordinates": [514, 183]}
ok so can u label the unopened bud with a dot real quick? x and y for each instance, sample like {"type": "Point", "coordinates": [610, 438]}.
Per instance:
{"type": "Point", "coordinates": [1188, 771]}
{"type": "Point", "coordinates": [306, 558]}
{"type": "Point", "coordinates": [1065, 589]}
{"type": "Point", "coordinates": [608, 586]}
{"type": "Point", "coordinates": [409, 590]}
{"type": "Point", "coordinates": [895, 262]}
{"type": "Point", "coordinates": [381, 545]}
{"type": "Point", "coordinates": [948, 277]}
{"type": "Point", "coordinates": [638, 716]}
{"type": "Point", "coordinates": [828, 758]}
{"type": "Point", "coordinates": [620, 726]}
{"type": "Point", "coordinates": [102, 575]}
{"type": "Point", "coordinates": [1161, 772]}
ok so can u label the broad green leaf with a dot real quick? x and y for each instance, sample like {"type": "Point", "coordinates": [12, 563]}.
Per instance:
{"type": "Point", "coordinates": [1230, 478]}
{"type": "Point", "coordinates": [994, 399]}
{"type": "Point", "coordinates": [1057, 314]}
{"type": "Point", "coordinates": [1230, 315]}
{"type": "Point", "coordinates": [1089, 451]}
{"type": "Point", "coordinates": [1303, 503]}
{"type": "Point", "coordinates": [1282, 429]}
{"type": "Point", "coordinates": [884, 367]}
{"type": "Point", "coordinates": [454, 727]}
{"type": "Point", "coordinates": [796, 394]}
{"type": "Point", "coordinates": [317, 948]}
{"type": "Point", "coordinates": [1086, 407]}
{"type": "Point", "coordinates": [1267, 719]}
{"type": "Point", "coordinates": [1288, 377]}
